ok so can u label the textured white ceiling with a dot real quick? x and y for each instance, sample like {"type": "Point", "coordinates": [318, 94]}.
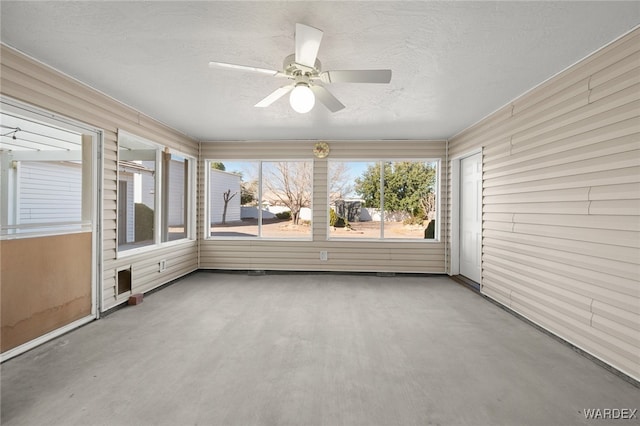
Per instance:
{"type": "Point", "coordinates": [453, 62]}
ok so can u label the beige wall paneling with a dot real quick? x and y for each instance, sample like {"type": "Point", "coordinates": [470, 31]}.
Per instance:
{"type": "Point", "coordinates": [361, 256]}
{"type": "Point", "coordinates": [34, 83]}
{"type": "Point", "coordinates": [561, 203]}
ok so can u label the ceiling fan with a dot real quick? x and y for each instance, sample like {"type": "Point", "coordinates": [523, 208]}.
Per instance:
{"type": "Point", "coordinates": [304, 68]}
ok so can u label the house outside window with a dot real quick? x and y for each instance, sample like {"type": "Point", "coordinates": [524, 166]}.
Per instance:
{"type": "Point", "coordinates": [47, 177]}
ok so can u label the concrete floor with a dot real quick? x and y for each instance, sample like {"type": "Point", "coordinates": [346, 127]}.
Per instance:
{"type": "Point", "coordinates": [232, 349]}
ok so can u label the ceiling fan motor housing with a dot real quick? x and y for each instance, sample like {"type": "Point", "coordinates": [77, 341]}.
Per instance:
{"type": "Point", "coordinates": [292, 68]}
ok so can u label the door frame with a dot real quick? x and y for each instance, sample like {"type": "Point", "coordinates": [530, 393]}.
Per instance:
{"type": "Point", "coordinates": [26, 110]}
{"type": "Point", "coordinates": [454, 267]}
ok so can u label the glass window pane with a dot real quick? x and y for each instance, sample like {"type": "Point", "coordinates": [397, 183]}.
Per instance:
{"type": "Point", "coordinates": [233, 198]}
{"type": "Point", "coordinates": [175, 197]}
{"type": "Point", "coordinates": [286, 199]}
{"type": "Point", "coordinates": [409, 199]}
{"type": "Point", "coordinates": [136, 194]}
{"type": "Point", "coordinates": [45, 178]}
{"type": "Point", "coordinates": [354, 199]}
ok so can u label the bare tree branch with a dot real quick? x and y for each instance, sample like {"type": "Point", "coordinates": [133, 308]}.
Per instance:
{"type": "Point", "coordinates": [289, 182]}
{"type": "Point", "coordinates": [226, 196]}
{"type": "Point", "coordinates": [340, 185]}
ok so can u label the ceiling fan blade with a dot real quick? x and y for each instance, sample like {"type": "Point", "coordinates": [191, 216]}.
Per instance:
{"type": "Point", "coordinates": [356, 76]}
{"type": "Point", "coordinates": [327, 98]}
{"type": "Point", "coordinates": [225, 65]}
{"type": "Point", "coordinates": [277, 94]}
{"type": "Point", "coordinates": [307, 44]}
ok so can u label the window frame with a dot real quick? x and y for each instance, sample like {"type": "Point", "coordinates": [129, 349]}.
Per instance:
{"type": "Point", "coordinates": [158, 197]}
{"type": "Point", "coordinates": [380, 162]}
{"type": "Point", "coordinates": [189, 197]}
{"type": "Point", "coordinates": [207, 200]}
{"type": "Point", "coordinates": [23, 111]}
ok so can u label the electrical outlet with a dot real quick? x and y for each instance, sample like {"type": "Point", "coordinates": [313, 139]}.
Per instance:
{"type": "Point", "coordinates": [324, 256]}
{"type": "Point", "coordinates": [162, 265]}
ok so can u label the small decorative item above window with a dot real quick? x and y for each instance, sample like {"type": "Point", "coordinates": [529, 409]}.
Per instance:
{"type": "Point", "coordinates": [321, 149]}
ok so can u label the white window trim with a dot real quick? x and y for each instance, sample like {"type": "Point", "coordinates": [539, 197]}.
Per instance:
{"type": "Point", "coordinates": [207, 218]}
{"type": "Point", "coordinates": [157, 235]}
{"type": "Point", "coordinates": [13, 107]}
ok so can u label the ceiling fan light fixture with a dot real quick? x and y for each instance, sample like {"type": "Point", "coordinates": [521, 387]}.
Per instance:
{"type": "Point", "coordinates": [302, 98]}
{"type": "Point", "coordinates": [304, 68]}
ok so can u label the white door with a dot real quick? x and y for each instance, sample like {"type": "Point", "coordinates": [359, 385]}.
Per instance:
{"type": "Point", "coordinates": [471, 217]}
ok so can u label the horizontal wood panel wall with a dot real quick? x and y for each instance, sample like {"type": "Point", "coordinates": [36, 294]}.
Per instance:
{"type": "Point", "coordinates": [32, 82]}
{"type": "Point", "coordinates": [357, 256]}
{"type": "Point", "coordinates": [561, 203]}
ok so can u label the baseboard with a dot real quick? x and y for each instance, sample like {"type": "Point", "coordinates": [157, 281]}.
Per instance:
{"type": "Point", "coordinates": [624, 376]}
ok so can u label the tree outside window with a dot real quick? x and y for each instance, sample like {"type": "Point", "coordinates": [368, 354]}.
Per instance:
{"type": "Point", "coordinates": [390, 200]}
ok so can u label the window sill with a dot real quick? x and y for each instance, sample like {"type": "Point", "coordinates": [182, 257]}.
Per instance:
{"type": "Point", "coordinates": [153, 247]}
{"type": "Point", "coordinates": [310, 239]}
{"type": "Point", "coordinates": [386, 240]}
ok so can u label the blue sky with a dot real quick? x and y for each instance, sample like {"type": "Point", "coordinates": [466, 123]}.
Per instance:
{"type": "Point", "coordinates": [247, 168]}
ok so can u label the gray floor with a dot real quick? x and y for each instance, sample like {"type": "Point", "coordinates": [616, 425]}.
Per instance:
{"type": "Point", "coordinates": [232, 349]}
